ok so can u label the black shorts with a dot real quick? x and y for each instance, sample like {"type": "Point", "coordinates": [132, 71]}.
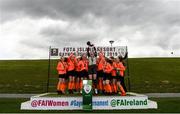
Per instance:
{"type": "Point", "coordinates": [71, 73]}
{"type": "Point", "coordinates": [63, 76]}
{"type": "Point", "coordinates": [119, 78]}
{"type": "Point", "coordinates": [92, 69]}
{"type": "Point", "coordinates": [84, 74]}
{"type": "Point", "coordinates": [107, 76]}
{"type": "Point", "coordinates": [113, 77]}
{"type": "Point", "coordinates": [100, 73]}
{"type": "Point", "coordinates": [78, 74]}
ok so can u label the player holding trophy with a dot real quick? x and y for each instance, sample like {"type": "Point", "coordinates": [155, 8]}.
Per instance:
{"type": "Point", "coordinates": [92, 68]}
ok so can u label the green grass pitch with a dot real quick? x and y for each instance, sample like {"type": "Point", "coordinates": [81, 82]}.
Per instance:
{"type": "Point", "coordinates": [146, 75]}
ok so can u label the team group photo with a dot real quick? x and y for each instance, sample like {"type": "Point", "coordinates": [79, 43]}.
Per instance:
{"type": "Point", "coordinates": [107, 74]}
{"type": "Point", "coordinates": [90, 56]}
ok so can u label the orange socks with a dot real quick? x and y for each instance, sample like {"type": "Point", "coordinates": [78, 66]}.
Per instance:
{"type": "Point", "coordinates": [109, 89]}
{"type": "Point", "coordinates": [58, 86]}
{"type": "Point", "coordinates": [105, 88]}
{"type": "Point", "coordinates": [112, 87]}
{"type": "Point", "coordinates": [63, 87]}
{"type": "Point", "coordinates": [73, 85]}
{"type": "Point", "coordinates": [115, 88]}
{"type": "Point", "coordinates": [70, 86]}
{"type": "Point", "coordinates": [123, 93]}
{"type": "Point", "coordinates": [81, 84]}
{"type": "Point", "coordinates": [100, 85]}
{"type": "Point", "coordinates": [77, 86]}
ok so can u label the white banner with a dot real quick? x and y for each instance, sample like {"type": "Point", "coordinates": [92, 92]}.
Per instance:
{"type": "Point", "coordinates": [99, 102]}
{"type": "Point", "coordinates": [78, 51]}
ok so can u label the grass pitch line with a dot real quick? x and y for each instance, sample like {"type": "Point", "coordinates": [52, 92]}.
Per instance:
{"type": "Point", "coordinates": [40, 95]}
{"type": "Point", "coordinates": [163, 95]}
{"type": "Point", "coordinates": [135, 94]}
{"type": "Point", "coordinates": [150, 95]}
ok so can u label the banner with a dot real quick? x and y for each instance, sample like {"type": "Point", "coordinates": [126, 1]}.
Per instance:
{"type": "Point", "coordinates": [87, 94]}
{"type": "Point", "coordinates": [78, 51]}
{"type": "Point", "coordinates": [98, 103]}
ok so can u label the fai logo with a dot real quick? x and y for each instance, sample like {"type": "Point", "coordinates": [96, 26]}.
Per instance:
{"type": "Point", "coordinates": [87, 88]}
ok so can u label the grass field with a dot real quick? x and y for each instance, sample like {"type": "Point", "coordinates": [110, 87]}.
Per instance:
{"type": "Point", "coordinates": [146, 75]}
{"type": "Point", "coordinates": [164, 105]}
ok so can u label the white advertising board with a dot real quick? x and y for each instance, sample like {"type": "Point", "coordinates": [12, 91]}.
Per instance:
{"type": "Point", "coordinates": [99, 103]}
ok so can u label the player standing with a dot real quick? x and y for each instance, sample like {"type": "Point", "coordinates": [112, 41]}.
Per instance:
{"type": "Point", "coordinates": [77, 73]}
{"type": "Point", "coordinates": [83, 65]}
{"type": "Point", "coordinates": [100, 65]}
{"type": "Point", "coordinates": [107, 76]}
{"type": "Point", "coordinates": [120, 77]}
{"type": "Point", "coordinates": [70, 73]}
{"type": "Point", "coordinates": [61, 68]}
{"type": "Point", "coordinates": [113, 73]}
{"type": "Point", "coordinates": [92, 69]}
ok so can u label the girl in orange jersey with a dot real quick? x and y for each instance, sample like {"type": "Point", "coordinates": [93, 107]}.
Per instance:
{"type": "Point", "coordinates": [100, 64]}
{"type": "Point", "coordinates": [83, 66]}
{"type": "Point", "coordinates": [71, 73]}
{"type": "Point", "coordinates": [77, 74]}
{"type": "Point", "coordinates": [113, 73]}
{"type": "Point", "coordinates": [85, 69]}
{"type": "Point", "coordinates": [107, 76]}
{"type": "Point", "coordinates": [122, 59]}
{"type": "Point", "coordinates": [120, 75]}
{"type": "Point", "coordinates": [61, 68]}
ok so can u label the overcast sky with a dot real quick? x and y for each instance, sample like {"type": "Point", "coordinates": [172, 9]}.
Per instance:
{"type": "Point", "coordinates": [150, 28]}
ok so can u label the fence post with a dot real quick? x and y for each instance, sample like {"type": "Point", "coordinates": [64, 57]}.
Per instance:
{"type": "Point", "coordinates": [129, 85]}
{"type": "Point", "coordinates": [49, 66]}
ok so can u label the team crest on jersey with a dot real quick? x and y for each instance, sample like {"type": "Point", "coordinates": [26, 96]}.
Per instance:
{"type": "Point", "coordinates": [87, 88]}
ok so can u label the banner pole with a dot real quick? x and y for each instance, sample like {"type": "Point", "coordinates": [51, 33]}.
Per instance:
{"type": "Point", "coordinates": [129, 85]}
{"type": "Point", "coordinates": [49, 65]}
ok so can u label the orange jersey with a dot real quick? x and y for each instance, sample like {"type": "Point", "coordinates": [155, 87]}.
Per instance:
{"type": "Point", "coordinates": [100, 63]}
{"type": "Point", "coordinates": [80, 65]}
{"type": "Point", "coordinates": [108, 68]}
{"type": "Point", "coordinates": [61, 68]}
{"type": "Point", "coordinates": [85, 62]}
{"type": "Point", "coordinates": [71, 65]}
{"type": "Point", "coordinates": [113, 72]}
{"type": "Point", "coordinates": [76, 65]}
{"type": "Point", "coordinates": [75, 61]}
{"type": "Point", "coordinates": [121, 67]}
